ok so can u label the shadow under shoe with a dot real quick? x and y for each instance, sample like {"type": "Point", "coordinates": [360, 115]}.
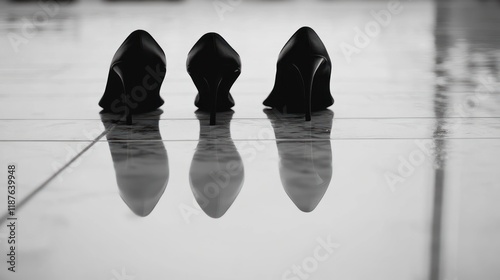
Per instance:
{"type": "Point", "coordinates": [135, 76]}
{"type": "Point", "coordinates": [217, 173]}
{"type": "Point", "coordinates": [213, 66]}
{"type": "Point", "coordinates": [305, 155]}
{"type": "Point", "coordinates": [303, 76]}
{"type": "Point", "coordinates": [140, 160]}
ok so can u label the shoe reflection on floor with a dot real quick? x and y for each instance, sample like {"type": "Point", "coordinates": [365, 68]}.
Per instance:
{"type": "Point", "coordinates": [140, 160]}
{"type": "Point", "coordinates": [305, 160]}
{"type": "Point", "coordinates": [217, 173]}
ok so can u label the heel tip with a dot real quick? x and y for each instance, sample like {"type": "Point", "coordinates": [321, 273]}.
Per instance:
{"type": "Point", "coordinates": [212, 119]}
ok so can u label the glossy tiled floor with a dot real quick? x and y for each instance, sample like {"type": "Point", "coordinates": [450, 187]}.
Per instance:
{"type": "Point", "coordinates": [398, 180]}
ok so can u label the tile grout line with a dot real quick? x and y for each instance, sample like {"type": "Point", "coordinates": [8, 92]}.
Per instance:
{"type": "Point", "coordinates": [250, 139]}
{"type": "Point", "coordinates": [263, 118]}
{"type": "Point", "coordinates": [4, 217]}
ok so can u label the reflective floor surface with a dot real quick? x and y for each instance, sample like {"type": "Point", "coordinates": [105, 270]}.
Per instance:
{"type": "Point", "coordinates": [397, 180]}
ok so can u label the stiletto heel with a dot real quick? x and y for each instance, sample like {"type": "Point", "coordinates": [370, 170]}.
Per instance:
{"type": "Point", "coordinates": [126, 77]}
{"type": "Point", "coordinates": [213, 66]}
{"type": "Point", "coordinates": [213, 88]}
{"type": "Point", "coordinates": [304, 54]}
{"type": "Point", "coordinates": [129, 118]}
{"type": "Point", "coordinates": [135, 77]}
{"type": "Point", "coordinates": [307, 71]}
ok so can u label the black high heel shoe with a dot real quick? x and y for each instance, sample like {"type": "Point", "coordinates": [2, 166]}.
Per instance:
{"type": "Point", "coordinates": [303, 76]}
{"type": "Point", "coordinates": [214, 66]}
{"type": "Point", "coordinates": [135, 77]}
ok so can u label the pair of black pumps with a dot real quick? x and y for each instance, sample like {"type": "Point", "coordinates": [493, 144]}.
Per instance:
{"type": "Point", "coordinates": [139, 67]}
